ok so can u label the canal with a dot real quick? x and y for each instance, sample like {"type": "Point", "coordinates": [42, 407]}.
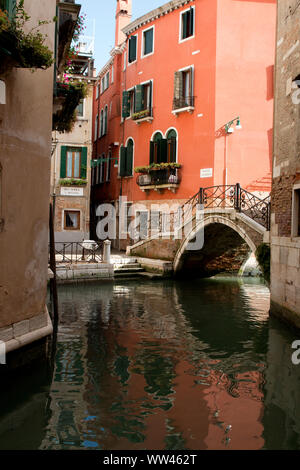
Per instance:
{"type": "Point", "coordinates": [160, 365]}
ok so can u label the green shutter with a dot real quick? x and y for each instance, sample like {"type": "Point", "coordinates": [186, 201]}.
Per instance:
{"type": "Point", "coordinates": [150, 99]}
{"type": "Point", "coordinates": [126, 104]}
{"type": "Point", "coordinates": [192, 21]}
{"type": "Point", "coordinates": [83, 163]}
{"type": "Point", "coordinates": [129, 159]}
{"type": "Point", "coordinates": [123, 158]}
{"type": "Point", "coordinates": [148, 41]}
{"type": "Point", "coordinates": [151, 152]}
{"type": "Point", "coordinates": [139, 98]}
{"type": "Point", "coordinates": [132, 49]}
{"type": "Point", "coordinates": [184, 25]}
{"type": "Point", "coordinates": [63, 162]}
{"type": "Point", "coordinates": [163, 151]}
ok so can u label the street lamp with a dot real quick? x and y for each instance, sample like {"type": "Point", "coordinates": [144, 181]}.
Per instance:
{"type": "Point", "coordinates": [229, 126]}
{"type": "Point", "coordinates": [229, 129]}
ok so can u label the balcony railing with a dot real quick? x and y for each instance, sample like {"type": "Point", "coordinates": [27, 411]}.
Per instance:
{"type": "Point", "coordinates": [183, 102]}
{"type": "Point", "coordinates": [166, 176]}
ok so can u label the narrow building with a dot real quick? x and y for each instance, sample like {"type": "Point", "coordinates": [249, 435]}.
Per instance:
{"type": "Point", "coordinates": [285, 217]}
{"type": "Point", "coordinates": [185, 101]}
{"type": "Point", "coordinates": [27, 100]}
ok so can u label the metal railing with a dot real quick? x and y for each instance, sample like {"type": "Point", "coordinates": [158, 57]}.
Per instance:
{"type": "Point", "coordinates": [235, 197]}
{"type": "Point", "coordinates": [160, 177]}
{"type": "Point", "coordinates": [75, 252]}
{"type": "Point", "coordinates": [148, 112]}
{"type": "Point", "coordinates": [183, 102]}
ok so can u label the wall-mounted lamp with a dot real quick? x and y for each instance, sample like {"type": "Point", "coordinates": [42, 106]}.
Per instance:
{"type": "Point", "coordinates": [229, 126]}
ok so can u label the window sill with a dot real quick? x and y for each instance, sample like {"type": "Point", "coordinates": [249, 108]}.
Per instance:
{"type": "Point", "coordinates": [145, 119]}
{"type": "Point", "coordinates": [187, 109]}
{"type": "Point", "coordinates": [124, 177]}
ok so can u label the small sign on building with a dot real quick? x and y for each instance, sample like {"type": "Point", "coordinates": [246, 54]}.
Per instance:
{"type": "Point", "coordinates": [206, 172]}
{"type": "Point", "coordinates": [71, 191]}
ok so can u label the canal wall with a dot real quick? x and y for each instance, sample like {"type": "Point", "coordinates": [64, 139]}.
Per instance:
{"type": "Point", "coordinates": [67, 273]}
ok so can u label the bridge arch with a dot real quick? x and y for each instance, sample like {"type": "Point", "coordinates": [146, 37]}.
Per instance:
{"type": "Point", "coordinates": [242, 233]}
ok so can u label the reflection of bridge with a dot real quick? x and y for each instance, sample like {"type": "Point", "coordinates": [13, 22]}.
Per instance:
{"type": "Point", "coordinates": [235, 222]}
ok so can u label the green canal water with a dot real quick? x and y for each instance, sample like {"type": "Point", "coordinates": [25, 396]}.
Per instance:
{"type": "Point", "coordinates": [160, 365]}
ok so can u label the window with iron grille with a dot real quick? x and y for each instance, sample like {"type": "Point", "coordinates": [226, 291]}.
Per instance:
{"type": "Point", "coordinates": [183, 88]}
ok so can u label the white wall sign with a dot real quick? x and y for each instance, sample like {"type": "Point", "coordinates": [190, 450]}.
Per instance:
{"type": "Point", "coordinates": [64, 191]}
{"type": "Point", "coordinates": [206, 173]}
{"type": "Point", "coordinates": [2, 92]}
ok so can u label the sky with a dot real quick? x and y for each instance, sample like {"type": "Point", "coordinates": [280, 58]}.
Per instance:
{"type": "Point", "coordinates": [103, 13]}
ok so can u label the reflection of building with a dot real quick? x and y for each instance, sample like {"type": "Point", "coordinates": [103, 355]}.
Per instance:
{"type": "Point", "coordinates": [166, 102]}
{"type": "Point", "coordinates": [70, 166]}
{"type": "Point", "coordinates": [285, 219]}
{"type": "Point", "coordinates": [26, 108]}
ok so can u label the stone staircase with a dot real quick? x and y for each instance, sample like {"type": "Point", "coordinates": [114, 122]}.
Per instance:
{"type": "Point", "coordinates": [127, 267]}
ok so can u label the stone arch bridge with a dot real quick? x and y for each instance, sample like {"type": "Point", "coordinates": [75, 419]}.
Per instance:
{"type": "Point", "coordinates": [221, 226]}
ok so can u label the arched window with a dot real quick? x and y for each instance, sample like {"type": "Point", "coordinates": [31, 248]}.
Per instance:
{"type": "Point", "coordinates": [157, 148]}
{"type": "Point", "coordinates": [172, 146]}
{"type": "Point", "coordinates": [101, 124]}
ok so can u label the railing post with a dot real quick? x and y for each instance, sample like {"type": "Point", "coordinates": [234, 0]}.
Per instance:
{"type": "Point", "coordinates": [238, 197]}
{"type": "Point", "coordinates": [201, 198]}
{"type": "Point", "coordinates": [106, 251]}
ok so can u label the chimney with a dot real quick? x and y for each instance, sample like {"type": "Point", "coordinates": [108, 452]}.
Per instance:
{"type": "Point", "coordinates": [123, 18]}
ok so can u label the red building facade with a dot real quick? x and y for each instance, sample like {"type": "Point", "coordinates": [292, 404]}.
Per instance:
{"type": "Point", "coordinates": [180, 79]}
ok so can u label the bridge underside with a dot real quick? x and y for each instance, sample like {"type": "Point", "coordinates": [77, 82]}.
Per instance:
{"type": "Point", "coordinates": [224, 251]}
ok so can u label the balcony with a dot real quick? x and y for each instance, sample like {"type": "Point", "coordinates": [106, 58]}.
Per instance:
{"type": "Point", "coordinates": [143, 116]}
{"type": "Point", "coordinates": [183, 104]}
{"type": "Point", "coordinates": [159, 180]}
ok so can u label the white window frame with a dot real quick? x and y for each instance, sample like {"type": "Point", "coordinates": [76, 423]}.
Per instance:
{"type": "Point", "coordinates": [153, 44]}
{"type": "Point", "coordinates": [181, 23]}
{"type": "Point", "coordinates": [71, 209]}
{"type": "Point", "coordinates": [112, 74]}
{"type": "Point", "coordinates": [81, 118]}
{"type": "Point", "coordinates": [136, 55]}
{"type": "Point", "coordinates": [125, 60]}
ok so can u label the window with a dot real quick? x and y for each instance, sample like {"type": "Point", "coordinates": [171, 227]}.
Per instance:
{"type": "Point", "coordinates": [132, 48]}
{"type": "Point", "coordinates": [105, 82]}
{"type": "Point", "coordinates": [187, 24]}
{"type": "Point", "coordinates": [102, 169]}
{"type": "Point", "coordinates": [97, 91]}
{"type": "Point", "coordinates": [163, 150]}
{"type": "Point", "coordinates": [96, 127]}
{"type": "Point", "coordinates": [105, 120]}
{"type": "Point", "coordinates": [112, 74]}
{"type": "Point", "coordinates": [80, 109]}
{"type": "Point", "coordinates": [296, 212]}
{"type": "Point", "coordinates": [138, 100]}
{"type": "Point", "coordinates": [72, 220]}
{"type": "Point", "coordinates": [101, 123]}
{"type": "Point", "coordinates": [73, 162]}
{"type": "Point", "coordinates": [9, 6]}
{"type": "Point", "coordinates": [126, 159]}
{"type": "Point", "coordinates": [148, 42]}
{"type": "Point", "coordinates": [108, 166]}
{"type": "Point", "coordinates": [183, 89]}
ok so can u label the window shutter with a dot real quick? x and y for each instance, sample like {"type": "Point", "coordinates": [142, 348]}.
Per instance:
{"type": "Point", "coordinates": [139, 98]}
{"type": "Point", "coordinates": [63, 162]}
{"type": "Point", "coordinates": [11, 8]}
{"type": "Point", "coordinates": [191, 21]}
{"type": "Point", "coordinates": [126, 105]}
{"type": "Point", "coordinates": [123, 161]}
{"type": "Point", "coordinates": [191, 82]}
{"type": "Point", "coordinates": [163, 150]}
{"type": "Point", "coordinates": [184, 25]}
{"type": "Point", "coordinates": [83, 163]}
{"type": "Point", "coordinates": [132, 49]}
{"type": "Point", "coordinates": [129, 161]}
{"type": "Point", "coordinates": [151, 152]}
{"type": "Point", "coordinates": [178, 88]}
{"type": "Point", "coordinates": [150, 97]}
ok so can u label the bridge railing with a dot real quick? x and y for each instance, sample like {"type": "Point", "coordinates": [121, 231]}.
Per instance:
{"type": "Point", "coordinates": [226, 197]}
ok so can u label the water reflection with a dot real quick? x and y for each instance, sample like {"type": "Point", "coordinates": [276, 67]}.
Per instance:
{"type": "Point", "coordinates": [172, 365]}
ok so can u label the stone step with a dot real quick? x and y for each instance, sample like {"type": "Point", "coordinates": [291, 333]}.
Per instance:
{"type": "Point", "coordinates": [127, 266]}
{"type": "Point", "coordinates": [129, 270]}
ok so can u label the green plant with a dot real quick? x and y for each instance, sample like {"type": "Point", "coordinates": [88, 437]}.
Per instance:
{"type": "Point", "coordinates": [72, 92]}
{"type": "Point", "coordinates": [156, 166]}
{"type": "Point", "coordinates": [27, 49]}
{"type": "Point", "coordinates": [263, 256]}
{"type": "Point", "coordinates": [141, 114]}
{"type": "Point", "coordinates": [72, 182]}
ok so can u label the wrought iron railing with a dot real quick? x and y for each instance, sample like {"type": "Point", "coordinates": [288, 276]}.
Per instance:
{"type": "Point", "coordinates": [235, 197]}
{"type": "Point", "coordinates": [142, 114]}
{"type": "Point", "coordinates": [75, 252]}
{"type": "Point", "coordinates": [160, 177]}
{"type": "Point", "coordinates": [183, 102]}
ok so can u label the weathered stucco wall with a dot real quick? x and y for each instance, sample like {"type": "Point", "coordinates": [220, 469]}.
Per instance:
{"type": "Point", "coordinates": [285, 245]}
{"type": "Point", "coordinates": [25, 148]}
